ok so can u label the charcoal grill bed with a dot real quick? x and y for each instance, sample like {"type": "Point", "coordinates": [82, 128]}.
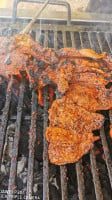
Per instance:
{"type": "Point", "coordinates": [95, 35]}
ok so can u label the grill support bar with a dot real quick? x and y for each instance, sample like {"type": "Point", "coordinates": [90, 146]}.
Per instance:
{"type": "Point", "coordinates": [80, 180]}
{"type": "Point", "coordinates": [96, 180]}
{"type": "Point", "coordinates": [102, 134]}
{"type": "Point", "coordinates": [13, 168]}
{"type": "Point", "coordinates": [63, 170]}
{"type": "Point", "coordinates": [95, 175]}
{"type": "Point", "coordinates": [45, 149]}
{"type": "Point", "coordinates": [32, 140]}
{"type": "Point", "coordinates": [106, 153]}
{"type": "Point", "coordinates": [5, 118]}
{"type": "Point", "coordinates": [79, 164]}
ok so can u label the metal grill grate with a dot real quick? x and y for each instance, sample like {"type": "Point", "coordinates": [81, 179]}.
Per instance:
{"type": "Point", "coordinates": [99, 41]}
{"type": "Point", "coordinates": [56, 37]}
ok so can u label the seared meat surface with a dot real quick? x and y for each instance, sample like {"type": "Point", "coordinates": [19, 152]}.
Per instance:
{"type": "Point", "coordinates": [22, 53]}
{"type": "Point", "coordinates": [81, 77]}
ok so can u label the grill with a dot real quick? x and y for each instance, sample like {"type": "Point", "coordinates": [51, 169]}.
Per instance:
{"type": "Point", "coordinates": [82, 34]}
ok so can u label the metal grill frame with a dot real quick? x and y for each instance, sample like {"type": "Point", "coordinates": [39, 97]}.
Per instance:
{"type": "Point", "coordinates": [37, 29]}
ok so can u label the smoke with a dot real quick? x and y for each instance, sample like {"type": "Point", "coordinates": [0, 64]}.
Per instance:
{"type": "Point", "coordinates": [100, 6]}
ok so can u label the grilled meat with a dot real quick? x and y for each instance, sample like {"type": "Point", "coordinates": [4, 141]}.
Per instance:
{"type": "Point", "coordinates": [62, 153]}
{"type": "Point", "coordinates": [72, 116]}
{"type": "Point", "coordinates": [11, 61]}
{"type": "Point", "coordinates": [81, 78]}
{"type": "Point", "coordinates": [90, 97]}
{"type": "Point", "coordinates": [70, 131]}
{"type": "Point", "coordinates": [22, 53]}
{"type": "Point", "coordinates": [75, 67]}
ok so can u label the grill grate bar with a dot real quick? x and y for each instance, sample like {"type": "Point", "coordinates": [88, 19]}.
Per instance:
{"type": "Point", "coordinates": [37, 35]}
{"type": "Point", "coordinates": [13, 167]}
{"type": "Point", "coordinates": [80, 180]}
{"type": "Point", "coordinates": [14, 117]}
{"type": "Point", "coordinates": [64, 39]}
{"type": "Point", "coordinates": [84, 40]}
{"type": "Point", "coordinates": [102, 132]}
{"type": "Point", "coordinates": [95, 42]}
{"type": "Point", "coordinates": [96, 180]}
{"type": "Point", "coordinates": [63, 170]}
{"type": "Point", "coordinates": [51, 39]}
{"type": "Point", "coordinates": [109, 40]}
{"type": "Point", "coordinates": [89, 38]}
{"type": "Point", "coordinates": [77, 40]}
{"type": "Point", "coordinates": [32, 145]}
{"type": "Point", "coordinates": [92, 45]}
{"type": "Point", "coordinates": [99, 42]}
{"type": "Point", "coordinates": [45, 153]}
{"type": "Point", "coordinates": [81, 40]}
{"type": "Point", "coordinates": [5, 118]}
{"type": "Point", "coordinates": [106, 154]}
{"type": "Point", "coordinates": [45, 143]}
{"type": "Point", "coordinates": [45, 148]}
{"type": "Point", "coordinates": [60, 39]}
{"type": "Point", "coordinates": [55, 40]}
{"type": "Point", "coordinates": [72, 39]}
{"type": "Point", "coordinates": [46, 39]}
{"type": "Point", "coordinates": [103, 42]}
{"type": "Point", "coordinates": [95, 175]}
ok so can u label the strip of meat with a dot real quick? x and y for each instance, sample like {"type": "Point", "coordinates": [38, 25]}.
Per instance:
{"type": "Point", "coordinates": [89, 53]}
{"type": "Point", "coordinates": [61, 153]}
{"type": "Point", "coordinates": [17, 53]}
{"type": "Point", "coordinates": [66, 146]}
{"type": "Point", "coordinates": [90, 97]}
{"type": "Point", "coordinates": [57, 135]}
{"type": "Point", "coordinates": [81, 77]}
{"type": "Point", "coordinates": [69, 68]}
{"type": "Point", "coordinates": [90, 78]}
{"type": "Point", "coordinates": [92, 54]}
{"type": "Point", "coordinates": [73, 117]}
